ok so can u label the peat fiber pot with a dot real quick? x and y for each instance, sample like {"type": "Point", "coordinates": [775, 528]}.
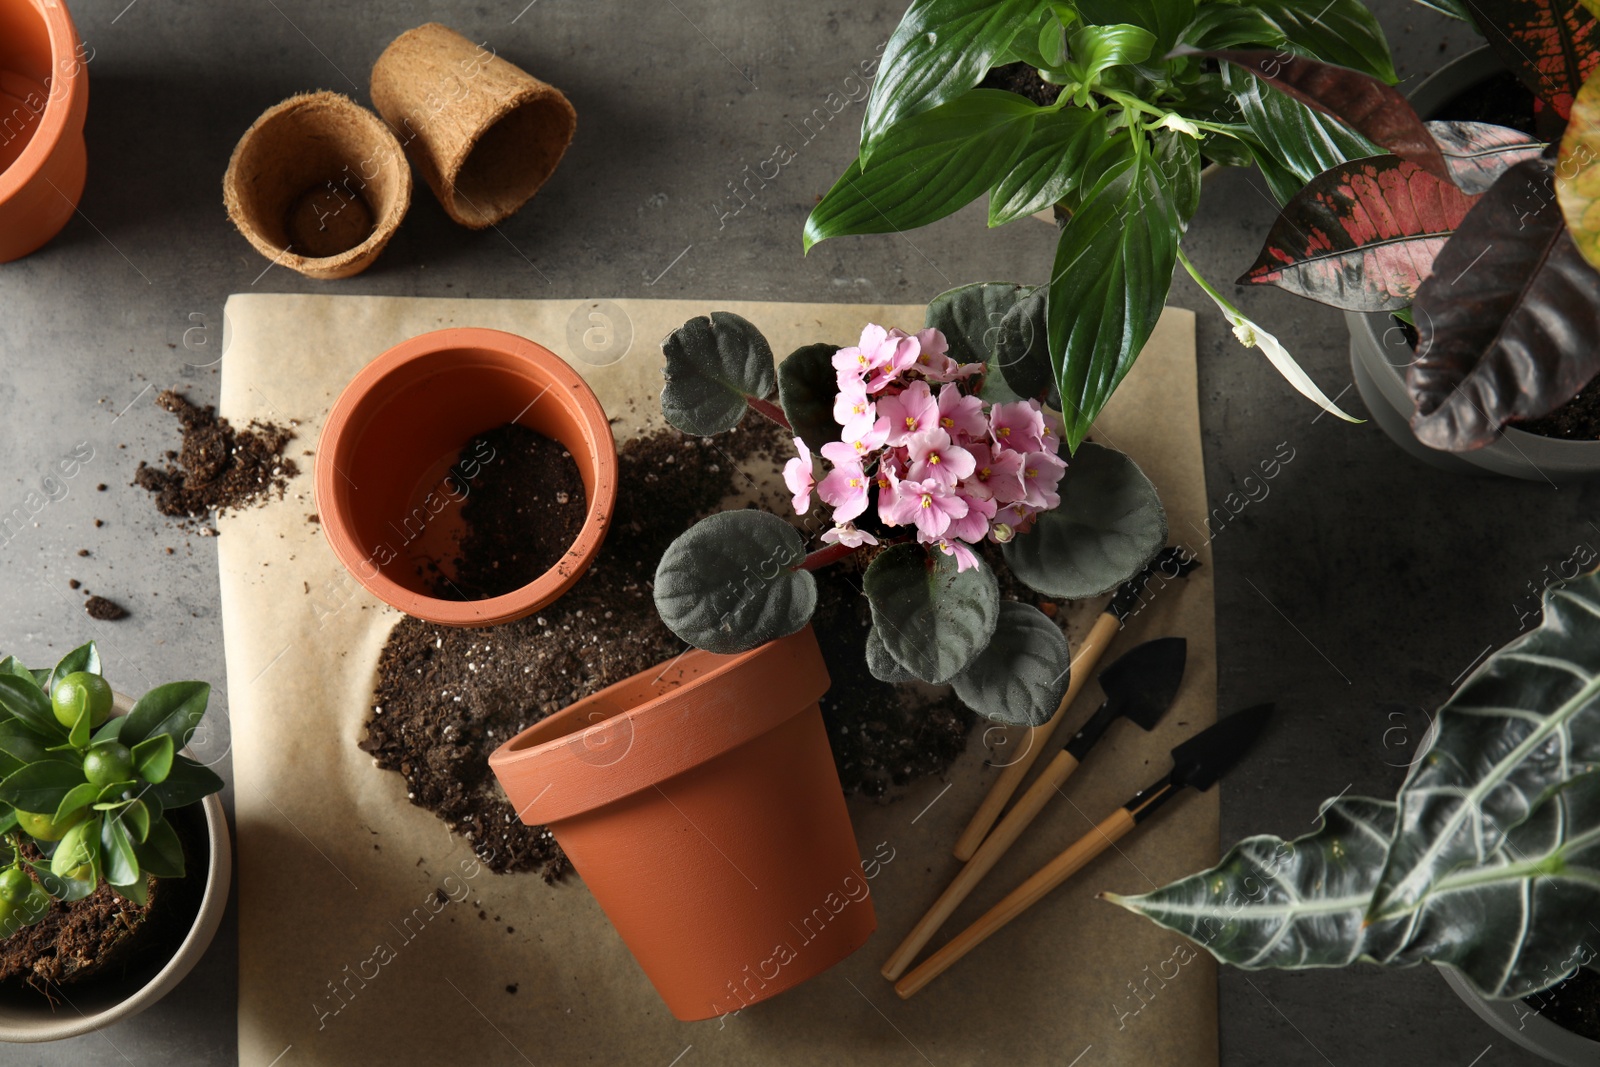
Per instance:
{"type": "Point", "coordinates": [1380, 353]}
{"type": "Point", "coordinates": [26, 1015]}
{"type": "Point", "coordinates": [390, 479]}
{"type": "Point", "coordinates": [44, 97]}
{"type": "Point", "coordinates": [700, 804]}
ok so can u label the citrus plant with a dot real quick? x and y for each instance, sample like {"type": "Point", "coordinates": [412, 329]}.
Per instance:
{"type": "Point", "coordinates": [87, 790]}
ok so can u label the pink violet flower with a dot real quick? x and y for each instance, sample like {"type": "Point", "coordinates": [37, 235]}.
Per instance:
{"type": "Point", "coordinates": [845, 487]}
{"type": "Point", "coordinates": [1016, 517]}
{"type": "Point", "coordinates": [865, 440]}
{"type": "Point", "coordinates": [846, 534]}
{"type": "Point", "coordinates": [961, 416]}
{"type": "Point", "coordinates": [965, 557]}
{"type": "Point", "coordinates": [1054, 430]}
{"type": "Point", "coordinates": [860, 360]}
{"type": "Point", "coordinates": [907, 351]}
{"type": "Point", "coordinates": [852, 407]}
{"type": "Point", "coordinates": [931, 506]}
{"type": "Point", "coordinates": [997, 474]}
{"type": "Point", "coordinates": [974, 525]}
{"type": "Point", "coordinates": [1018, 426]}
{"type": "Point", "coordinates": [912, 411]}
{"type": "Point", "coordinates": [934, 457]}
{"type": "Point", "coordinates": [799, 476]}
{"type": "Point", "coordinates": [1041, 474]}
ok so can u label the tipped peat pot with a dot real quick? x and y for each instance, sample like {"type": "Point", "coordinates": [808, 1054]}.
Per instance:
{"type": "Point", "coordinates": [700, 803]}
{"type": "Point", "coordinates": [318, 184]}
{"type": "Point", "coordinates": [485, 134]}
{"type": "Point", "coordinates": [44, 98]}
{"type": "Point", "coordinates": [390, 478]}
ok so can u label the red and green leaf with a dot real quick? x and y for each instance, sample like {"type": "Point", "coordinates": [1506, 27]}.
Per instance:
{"type": "Point", "coordinates": [1552, 45]}
{"type": "Point", "coordinates": [1377, 111]}
{"type": "Point", "coordinates": [1362, 236]}
{"type": "Point", "coordinates": [1477, 153]}
{"type": "Point", "coordinates": [1578, 176]}
{"type": "Point", "coordinates": [1507, 322]}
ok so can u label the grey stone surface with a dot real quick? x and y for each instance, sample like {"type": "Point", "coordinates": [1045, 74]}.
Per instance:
{"type": "Point", "coordinates": [1352, 595]}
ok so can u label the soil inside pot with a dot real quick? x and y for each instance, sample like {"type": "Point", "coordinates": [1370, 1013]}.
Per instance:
{"type": "Point", "coordinates": [448, 697]}
{"type": "Point", "coordinates": [218, 468]}
{"type": "Point", "coordinates": [1572, 1005]}
{"type": "Point", "coordinates": [524, 510]}
{"type": "Point", "coordinates": [105, 939]}
{"type": "Point", "coordinates": [1023, 80]}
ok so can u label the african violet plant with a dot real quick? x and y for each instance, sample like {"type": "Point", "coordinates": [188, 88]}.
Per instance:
{"type": "Point", "coordinates": [1458, 229]}
{"type": "Point", "coordinates": [930, 454]}
{"type": "Point", "coordinates": [1118, 149]}
{"type": "Point", "coordinates": [87, 790]}
{"type": "Point", "coordinates": [1487, 861]}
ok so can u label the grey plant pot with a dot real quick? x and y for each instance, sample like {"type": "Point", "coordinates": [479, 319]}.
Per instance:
{"type": "Point", "coordinates": [28, 1017]}
{"type": "Point", "coordinates": [1522, 1026]}
{"type": "Point", "coordinates": [1379, 355]}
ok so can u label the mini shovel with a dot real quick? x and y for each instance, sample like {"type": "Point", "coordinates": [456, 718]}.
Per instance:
{"type": "Point", "coordinates": [1196, 764]}
{"type": "Point", "coordinates": [1140, 686]}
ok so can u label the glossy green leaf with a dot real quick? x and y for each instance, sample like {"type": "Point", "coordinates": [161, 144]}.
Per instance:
{"type": "Point", "coordinates": [926, 167]}
{"type": "Point", "coordinates": [116, 852]}
{"type": "Point", "coordinates": [1021, 675]}
{"type": "Point", "coordinates": [25, 746]}
{"type": "Point", "coordinates": [136, 819]}
{"type": "Point", "coordinates": [970, 317]}
{"type": "Point", "coordinates": [83, 658]}
{"type": "Point", "coordinates": [932, 618]}
{"type": "Point", "coordinates": [807, 384]}
{"type": "Point", "coordinates": [152, 758]}
{"type": "Point", "coordinates": [1226, 26]}
{"type": "Point", "coordinates": [1298, 142]}
{"type": "Point", "coordinates": [40, 787]}
{"type": "Point", "coordinates": [187, 783]}
{"type": "Point", "coordinates": [137, 891]}
{"type": "Point", "coordinates": [940, 49]}
{"type": "Point", "coordinates": [1164, 19]}
{"type": "Point", "coordinates": [30, 707]}
{"type": "Point", "coordinates": [79, 796]}
{"type": "Point", "coordinates": [12, 666]}
{"type": "Point", "coordinates": [77, 848]}
{"type": "Point", "coordinates": [731, 582]}
{"type": "Point", "coordinates": [713, 365]}
{"type": "Point", "coordinates": [1096, 49]}
{"type": "Point", "coordinates": [884, 667]}
{"type": "Point", "coordinates": [175, 709]}
{"type": "Point", "coordinates": [1109, 284]}
{"type": "Point", "coordinates": [161, 854]}
{"type": "Point", "coordinates": [1340, 31]}
{"type": "Point", "coordinates": [1457, 9]}
{"type": "Point", "coordinates": [1177, 158]}
{"type": "Point", "coordinates": [1047, 167]}
{"type": "Point", "coordinates": [1109, 525]}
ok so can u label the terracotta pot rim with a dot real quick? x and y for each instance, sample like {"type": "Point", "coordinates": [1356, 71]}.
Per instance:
{"type": "Point", "coordinates": [568, 388]}
{"type": "Point", "coordinates": [560, 767]}
{"type": "Point", "coordinates": [58, 107]}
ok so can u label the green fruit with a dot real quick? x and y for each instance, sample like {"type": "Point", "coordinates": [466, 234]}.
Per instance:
{"type": "Point", "coordinates": [14, 886]}
{"type": "Point", "coordinates": [71, 693]}
{"type": "Point", "coordinates": [108, 763]}
{"type": "Point", "coordinates": [36, 907]}
{"type": "Point", "coordinates": [45, 828]}
{"type": "Point", "coordinates": [6, 911]}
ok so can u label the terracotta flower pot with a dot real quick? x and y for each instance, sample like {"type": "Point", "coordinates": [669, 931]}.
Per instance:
{"type": "Point", "coordinates": [701, 806]}
{"type": "Point", "coordinates": [44, 97]}
{"type": "Point", "coordinates": [389, 479]}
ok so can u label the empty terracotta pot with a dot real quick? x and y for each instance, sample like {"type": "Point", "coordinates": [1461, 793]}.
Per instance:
{"type": "Point", "coordinates": [318, 184]}
{"type": "Point", "coordinates": [389, 477]}
{"type": "Point", "coordinates": [484, 133]}
{"type": "Point", "coordinates": [44, 97]}
{"type": "Point", "coordinates": [700, 804]}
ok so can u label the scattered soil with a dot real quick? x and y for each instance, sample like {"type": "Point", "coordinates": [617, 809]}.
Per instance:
{"type": "Point", "coordinates": [448, 697]}
{"type": "Point", "coordinates": [1572, 1005]}
{"type": "Point", "coordinates": [525, 509]}
{"type": "Point", "coordinates": [1023, 80]}
{"type": "Point", "coordinates": [105, 610]}
{"type": "Point", "coordinates": [218, 468]}
{"type": "Point", "coordinates": [73, 583]}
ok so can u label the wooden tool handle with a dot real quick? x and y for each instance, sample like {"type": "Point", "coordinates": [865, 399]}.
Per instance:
{"type": "Point", "coordinates": [994, 846]}
{"type": "Point", "coordinates": [1019, 900]}
{"type": "Point", "coordinates": [1011, 776]}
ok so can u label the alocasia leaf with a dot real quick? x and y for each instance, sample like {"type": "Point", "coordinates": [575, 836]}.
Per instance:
{"type": "Point", "coordinates": [1372, 108]}
{"type": "Point", "coordinates": [1507, 322]}
{"type": "Point", "coordinates": [1339, 31]}
{"type": "Point", "coordinates": [713, 364]}
{"type": "Point", "coordinates": [1551, 44]}
{"type": "Point", "coordinates": [926, 166]}
{"type": "Point", "coordinates": [1048, 166]}
{"type": "Point", "coordinates": [940, 49]}
{"type": "Point", "coordinates": [732, 582]}
{"type": "Point", "coordinates": [1578, 172]}
{"type": "Point", "coordinates": [932, 618]}
{"type": "Point", "coordinates": [1021, 675]}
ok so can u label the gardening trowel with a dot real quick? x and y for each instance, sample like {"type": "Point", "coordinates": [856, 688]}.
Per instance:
{"type": "Point", "coordinates": [1140, 686]}
{"type": "Point", "coordinates": [1196, 764]}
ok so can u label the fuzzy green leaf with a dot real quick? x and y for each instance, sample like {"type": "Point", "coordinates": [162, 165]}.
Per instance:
{"type": "Point", "coordinates": [807, 384]}
{"type": "Point", "coordinates": [970, 317]}
{"type": "Point", "coordinates": [730, 583]}
{"type": "Point", "coordinates": [713, 364]}
{"type": "Point", "coordinates": [932, 618]}
{"type": "Point", "coordinates": [883, 666]}
{"type": "Point", "coordinates": [1021, 675]}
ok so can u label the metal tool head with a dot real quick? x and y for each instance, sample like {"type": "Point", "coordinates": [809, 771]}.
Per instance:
{"type": "Point", "coordinates": [1142, 683]}
{"type": "Point", "coordinates": [1212, 752]}
{"type": "Point", "coordinates": [1170, 563]}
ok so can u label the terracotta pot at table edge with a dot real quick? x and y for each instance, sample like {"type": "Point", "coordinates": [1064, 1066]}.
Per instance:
{"type": "Point", "coordinates": [700, 803]}
{"type": "Point", "coordinates": [396, 431]}
{"type": "Point", "coordinates": [39, 191]}
{"type": "Point", "coordinates": [32, 1020]}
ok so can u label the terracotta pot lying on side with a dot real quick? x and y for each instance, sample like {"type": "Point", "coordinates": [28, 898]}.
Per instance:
{"type": "Point", "coordinates": [44, 98]}
{"type": "Point", "coordinates": [700, 804]}
{"type": "Point", "coordinates": [390, 449]}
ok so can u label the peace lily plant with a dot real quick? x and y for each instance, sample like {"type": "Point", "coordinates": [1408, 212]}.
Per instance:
{"type": "Point", "coordinates": [1117, 147]}
{"type": "Point", "coordinates": [1487, 861]}
{"type": "Point", "coordinates": [89, 791]}
{"type": "Point", "coordinates": [930, 454]}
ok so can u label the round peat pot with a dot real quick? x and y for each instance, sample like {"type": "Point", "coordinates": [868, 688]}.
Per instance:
{"type": "Point", "coordinates": [44, 97]}
{"type": "Point", "coordinates": [1522, 1025]}
{"type": "Point", "coordinates": [390, 478]}
{"type": "Point", "coordinates": [701, 806]}
{"type": "Point", "coordinates": [1380, 354]}
{"type": "Point", "coordinates": [198, 901]}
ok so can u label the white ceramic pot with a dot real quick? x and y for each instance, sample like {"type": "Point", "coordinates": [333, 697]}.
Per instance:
{"type": "Point", "coordinates": [1522, 1026]}
{"type": "Point", "coordinates": [27, 1016]}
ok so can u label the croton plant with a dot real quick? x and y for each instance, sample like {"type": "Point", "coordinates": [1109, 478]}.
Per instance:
{"type": "Point", "coordinates": [1487, 861]}
{"type": "Point", "coordinates": [1485, 238]}
{"type": "Point", "coordinates": [1128, 115]}
{"type": "Point", "coordinates": [83, 794]}
{"type": "Point", "coordinates": [929, 454]}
